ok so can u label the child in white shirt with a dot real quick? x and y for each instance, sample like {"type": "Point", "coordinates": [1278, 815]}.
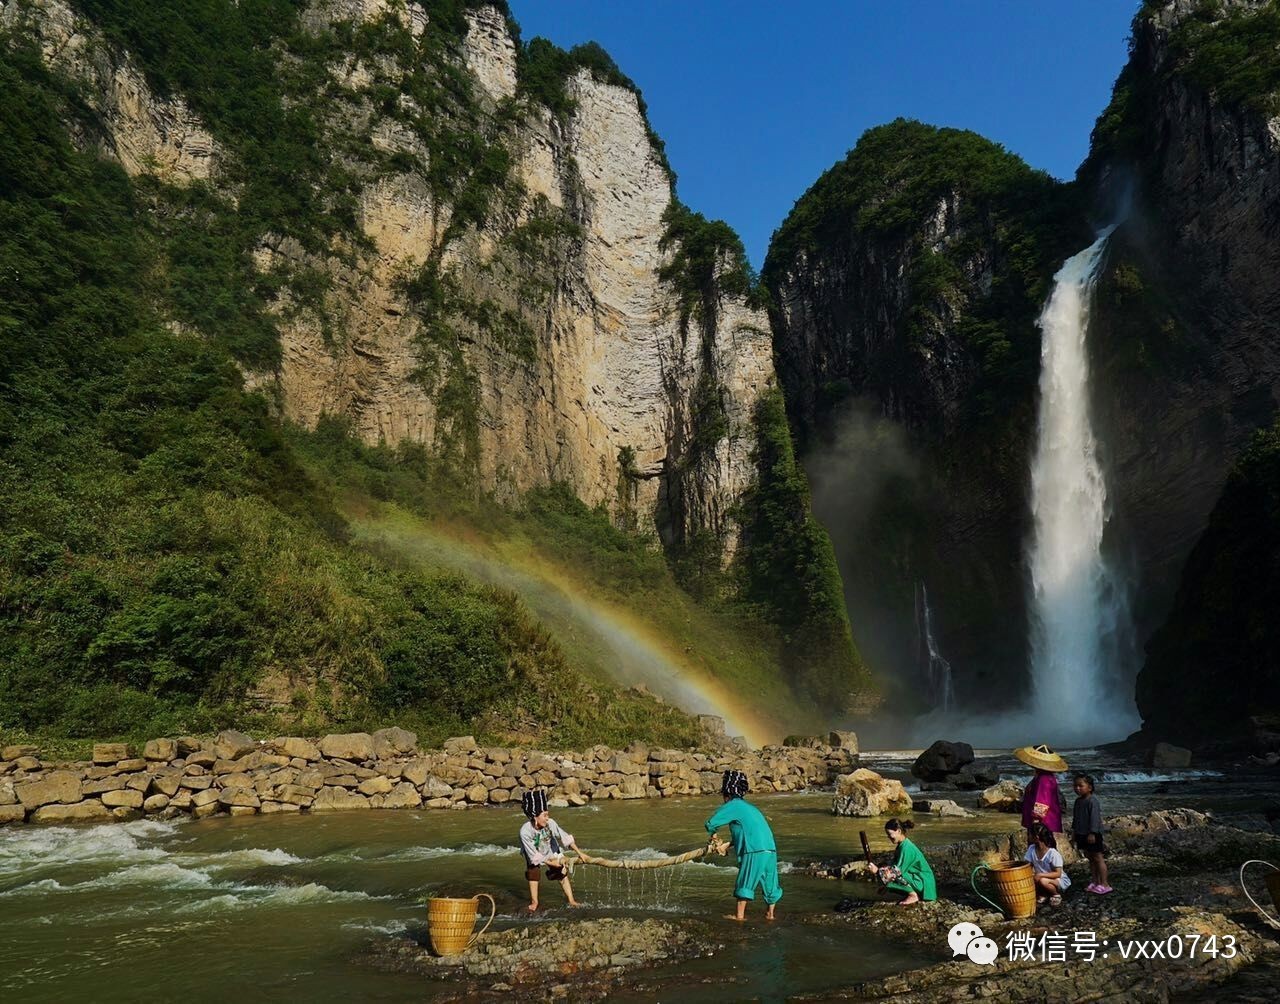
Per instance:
{"type": "Point", "coordinates": [1051, 873]}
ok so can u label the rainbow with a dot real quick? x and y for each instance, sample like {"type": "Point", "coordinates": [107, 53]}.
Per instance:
{"type": "Point", "coordinates": [642, 654]}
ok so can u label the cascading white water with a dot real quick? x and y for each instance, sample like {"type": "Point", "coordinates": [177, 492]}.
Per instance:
{"type": "Point", "coordinates": [1079, 608]}
{"type": "Point", "coordinates": [937, 669]}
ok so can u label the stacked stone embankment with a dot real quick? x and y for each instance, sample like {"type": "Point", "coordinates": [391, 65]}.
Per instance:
{"type": "Point", "coordinates": [235, 774]}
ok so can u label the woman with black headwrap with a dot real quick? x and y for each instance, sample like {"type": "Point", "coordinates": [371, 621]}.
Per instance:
{"type": "Point", "coordinates": [752, 842]}
{"type": "Point", "coordinates": [542, 842]}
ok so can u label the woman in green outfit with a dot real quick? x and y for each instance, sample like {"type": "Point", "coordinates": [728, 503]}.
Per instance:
{"type": "Point", "coordinates": [910, 873]}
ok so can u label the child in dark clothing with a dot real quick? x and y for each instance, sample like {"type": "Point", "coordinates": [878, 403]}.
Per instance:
{"type": "Point", "coordinates": [1086, 831]}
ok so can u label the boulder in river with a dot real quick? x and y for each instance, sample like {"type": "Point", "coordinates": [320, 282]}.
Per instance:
{"type": "Point", "coordinates": [1005, 796]}
{"type": "Point", "coordinates": [1166, 755]}
{"type": "Point", "coordinates": [843, 740]}
{"type": "Point", "coordinates": [866, 793]}
{"type": "Point", "coordinates": [939, 807]}
{"type": "Point", "coordinates": [941, 759]}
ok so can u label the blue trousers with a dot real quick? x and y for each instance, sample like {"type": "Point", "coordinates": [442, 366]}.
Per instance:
{"type": "Point", "coordinates": [758, 870]}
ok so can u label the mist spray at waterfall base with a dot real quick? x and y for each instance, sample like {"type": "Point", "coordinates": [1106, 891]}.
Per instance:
{"type": "Point", "coordinates": [1081, 645]}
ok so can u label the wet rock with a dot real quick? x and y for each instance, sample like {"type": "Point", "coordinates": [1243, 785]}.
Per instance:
{"type": "Point", "coordinates": [526, 955]}
{"type": "Point", "coordinates": [1005, 796]}
{"type": "Point", "coordinates": [155, 803]}
{"type": "Point", "coordinates": [1166, 755]}
{"type": "Point", "coordinates": [939, 807]}
{"type": "Point", "coordinates": [352, 746]}
{"type": "Point", "coordinates": [841, 740]}
{"type": "Point", "coordinates": [941, 759]}
{"type": "Point", "coordinates": [866, 793]}
{"type": "Point", "coordinates": [711, 725]}
{"type": "Point", "coordinates": [12, 814]}
{"type": "Point", "coordinates": [80, 812]}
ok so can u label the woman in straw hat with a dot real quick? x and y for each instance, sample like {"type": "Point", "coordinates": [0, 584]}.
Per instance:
{"type": "Point", "coordinates": [1042, 801]}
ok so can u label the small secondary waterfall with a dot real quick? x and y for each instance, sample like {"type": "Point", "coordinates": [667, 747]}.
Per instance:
{"type": "Point", "coordinates": [937, 669]}
{"type": "Point", "coordinates": [1079, 609]}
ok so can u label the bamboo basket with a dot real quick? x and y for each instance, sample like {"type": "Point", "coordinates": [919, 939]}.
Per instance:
{"type": "Point", "coordinates": [1014, 885]}
{"type": "Point", "coordinates": [450, 922]}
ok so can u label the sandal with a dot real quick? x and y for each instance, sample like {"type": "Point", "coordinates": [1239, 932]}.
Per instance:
{"type": "Point", "coordinates": [1102, 890]}
{"type": "Point", "coordinates": [1055, 900]}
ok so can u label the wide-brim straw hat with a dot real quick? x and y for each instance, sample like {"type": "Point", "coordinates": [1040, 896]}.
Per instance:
{"type": "Point", "coordinates": [1041, 758]}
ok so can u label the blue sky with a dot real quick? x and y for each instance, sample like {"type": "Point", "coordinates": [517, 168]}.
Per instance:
{"type": "Point", "coordinates": [756, 99]}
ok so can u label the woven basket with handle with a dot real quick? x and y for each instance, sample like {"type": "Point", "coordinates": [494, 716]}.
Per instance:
{"type": "Point", "coordinates": [450, 922]}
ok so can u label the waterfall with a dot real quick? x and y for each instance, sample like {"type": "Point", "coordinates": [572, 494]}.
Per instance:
{"type": "Point", "coordinates": [1079, 608]}
{"type": "Point", "coordinates": [937, 669]}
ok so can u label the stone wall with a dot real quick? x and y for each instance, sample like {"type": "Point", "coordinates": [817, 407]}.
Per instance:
{"type": "Point", "coordinates": [234, 774]}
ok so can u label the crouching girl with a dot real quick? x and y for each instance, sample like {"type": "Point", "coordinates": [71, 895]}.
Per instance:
{"type": "Point", "coordinates": [910, 873]}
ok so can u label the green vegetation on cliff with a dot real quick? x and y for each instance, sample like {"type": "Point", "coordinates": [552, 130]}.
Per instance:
{"type": "Point", "coordinates": [163, 554]}
{"type": "Point", "coordinates": [788, 569]}
{"type": "Point", "coordinates": [1216, 659]}
{"type": "Point", "coordinates": [1231, 51]}
{"type": "Point", "coordinates": [1016, 223]}
{"type": "Point", "coordinates": [1228, 51]}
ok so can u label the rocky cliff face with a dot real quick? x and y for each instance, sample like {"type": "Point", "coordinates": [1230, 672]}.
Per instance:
{"type": "Point", "coordinates": [930, 327]}
{"type": "Point", "coordinates": [1190, 330]}
{"type": "Point", "coordinates": [601, 390]}
{"type": "Point", "coordinates": [906, 284]}
{"type": "Point", "coordinates": [570, 362]}
{"type": "Point", "coordinates": [146, 134]}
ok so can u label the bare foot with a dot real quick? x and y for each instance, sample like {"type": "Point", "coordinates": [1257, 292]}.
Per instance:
{"type": "Point", "coordinates": [574, 902]}
{"type": "Point", "coordinates": [532, 907]}
{"type": "Point", "coordinates": [912, 898]}
{"type": "Point", "coordinates": [734, 916]}
{"type": "Point", "coordinates": [769, 916]}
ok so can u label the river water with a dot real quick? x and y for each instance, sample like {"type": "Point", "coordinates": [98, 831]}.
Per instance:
{"type": "Point", "coordinates": [284, 906]}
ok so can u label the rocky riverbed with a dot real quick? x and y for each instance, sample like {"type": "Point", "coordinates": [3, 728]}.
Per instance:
{"type": "Point", "coordinates": [237, 775]}
{"type": "Point", "coordinates": [1177, 886]}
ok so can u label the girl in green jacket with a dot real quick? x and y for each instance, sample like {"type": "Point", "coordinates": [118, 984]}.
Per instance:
{"type": "Point", "coordinates": [910, 873]}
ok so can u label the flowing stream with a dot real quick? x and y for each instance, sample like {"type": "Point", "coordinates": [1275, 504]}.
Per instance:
{"type": "Point", "coordinates": [1079, 607]}
{"type": "Point", "coordinates": [295, 907]}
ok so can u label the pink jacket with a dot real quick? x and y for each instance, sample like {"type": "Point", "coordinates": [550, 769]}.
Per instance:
{"type": "Point", "coordinates": [1043, 790]}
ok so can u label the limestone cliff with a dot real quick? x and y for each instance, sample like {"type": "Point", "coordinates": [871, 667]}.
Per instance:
{"type": "Point", "coordinates": [401, 220]}
{"type": "Point", "coordinates": [906, 283]}
{"type": "Point", "coordinates": [1190, 329]}
{"type": "Point", "coordinates": [593, 380]}
{"type": "Point", "coordinates": [894, 286]}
